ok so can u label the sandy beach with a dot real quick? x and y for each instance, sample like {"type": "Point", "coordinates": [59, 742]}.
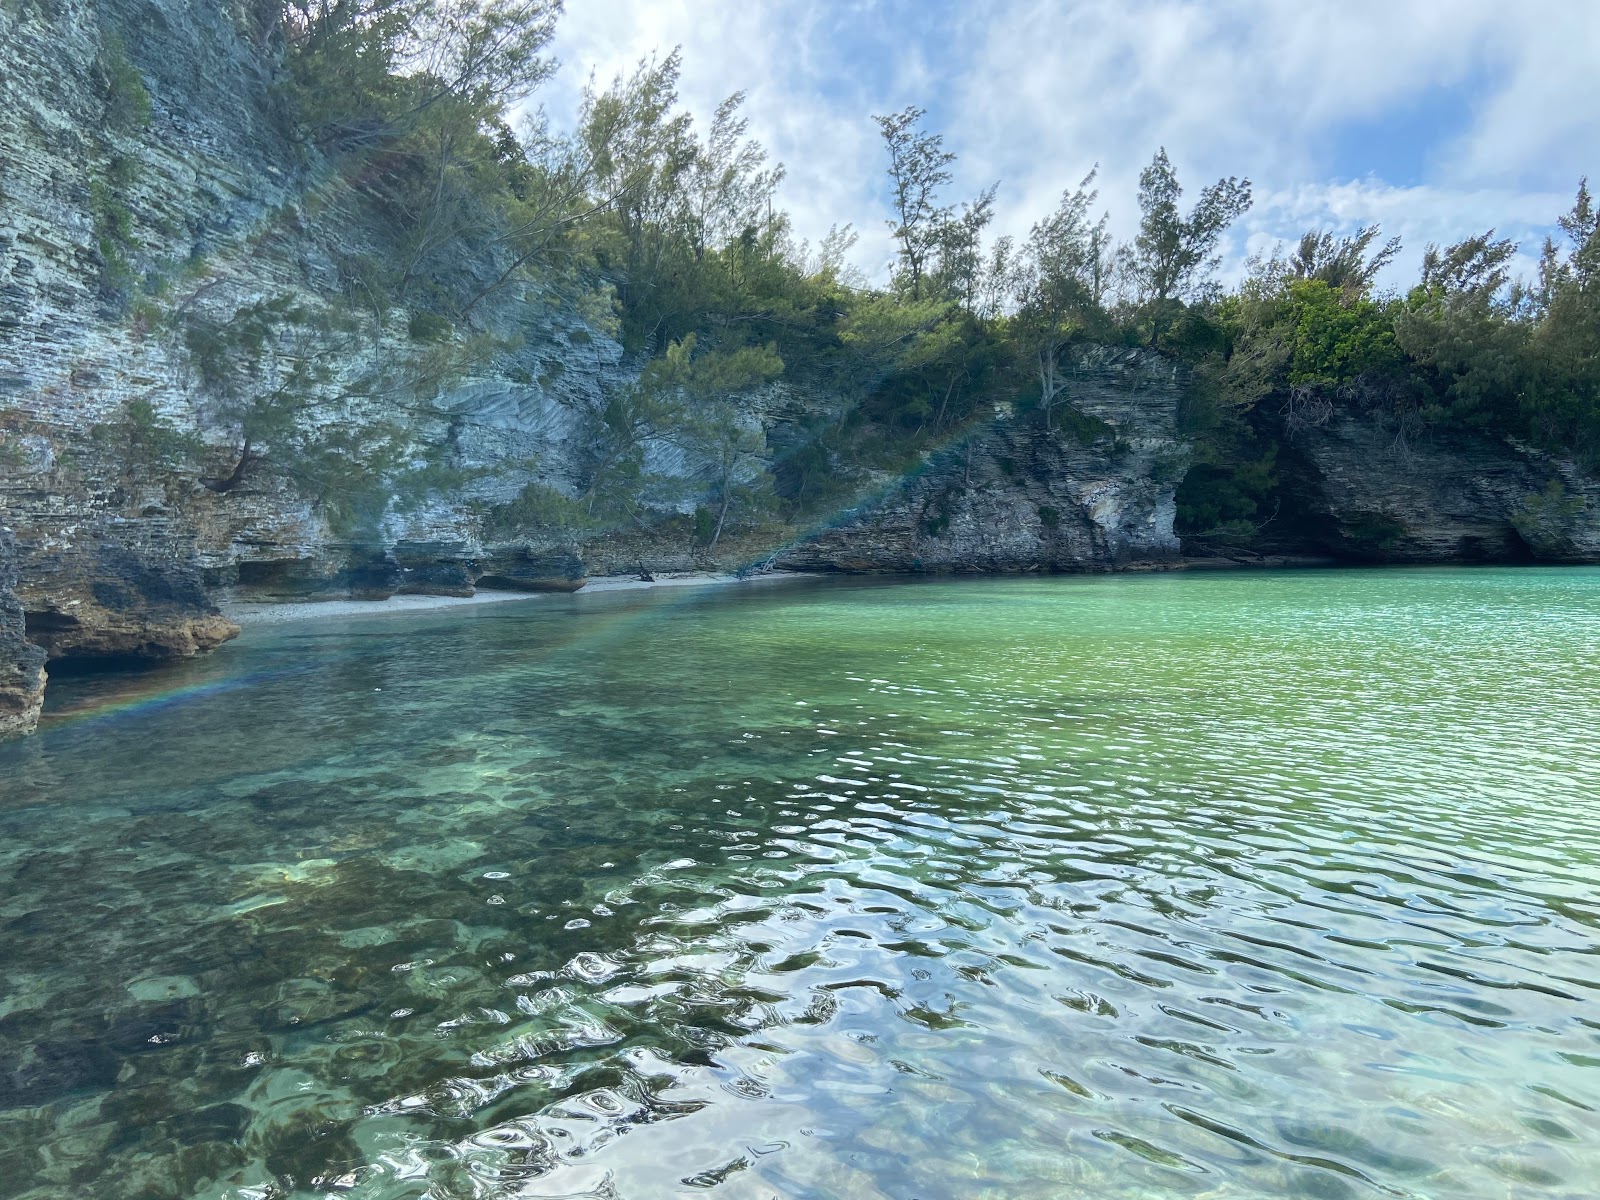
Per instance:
{"type": "Point", "coordinates": [267, 613]}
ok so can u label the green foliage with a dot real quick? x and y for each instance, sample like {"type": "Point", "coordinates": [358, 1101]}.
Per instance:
{"type": "Point", "coordinates": [429, 327]}
{"type": "Point", "coordinates": [704, 378]}
{"type": "Point", "coordinates": [1374, 532]}
{"type": "Point", "coordinates": [1060, 281]}
{"type": "Point", "coordinates": [542, 508]}
{"type": "Point", "coordinates": [705, 526]}
{"type": "Point", "coordinates": [664, 232]}
{"type": "Point", "coordinates": [1086, 430]}
{"type": "Point", "coordinates": [1564, 409]}
{"type": "Point", "coordinates": [428, 474]}
{"type": "Point", "coordinates": [147, 443]}
{"type": "Point", "coordinates": [363, 72]}
{"type": "Point", "coordinates": [1335, 338]}
{"type": "Point", "coordinates": [113, 226]}
{"type": "Point", "coordinates": [1342, 263]}
{"type": "Point", "coordinates": [919, 168]}
{"type": "Point", "coordinates": [701, 394]}
{"type": "Point", "coordinates": [127, 100]}
{"type": "Point", "coordinates": [1173, 255]}
{"type": "Point", "coordinates": [348, 472]}
{"type": "Point", "coordinates": [1228, 496]}
{"type": "Point", "coordinates": [276, 375]}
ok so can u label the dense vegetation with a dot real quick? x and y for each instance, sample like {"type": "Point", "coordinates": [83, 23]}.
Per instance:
{"type": "Point", "coordinates": [665, 232]}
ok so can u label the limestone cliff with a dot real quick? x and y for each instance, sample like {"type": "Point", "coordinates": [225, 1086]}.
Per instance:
{"type": "Point", "coordinates": [21, 664]}
{"type": "Point", "coordinates": [115, 236]}
{"type": "Point", "coordinates": [119, 234]}
{"type": "Point", "coordinates": [1439, 497]}
{"type": "Point", "coordinates": [1020, 496]}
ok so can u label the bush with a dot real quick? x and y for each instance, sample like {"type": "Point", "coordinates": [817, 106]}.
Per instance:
{"type": "Point", "coordinates": [705, 525]}
{"type": "Point", "coordinates": [1335, 341]}
{"type": "Point", "coordinates": [429, 327]}
{"type": "Point", "coordinates": [128, 104]}
{"type": "Point", "coordinates": [1374, 531]}
{"type": "Point", "coordinates": [113, 226]}
{"type": "Point", "coordinates": [1086, 430]}
{"type": "Point", "coordinates": [538, 508]}
{"type": "Point", "coordinates": [145, 441]}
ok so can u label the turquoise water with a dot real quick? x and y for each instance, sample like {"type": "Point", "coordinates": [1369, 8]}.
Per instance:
{"type": "Point", "coordinates": [1246, 885]}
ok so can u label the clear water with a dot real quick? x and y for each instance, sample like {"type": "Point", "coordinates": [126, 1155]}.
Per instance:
{"type": "Point", "coordinates": [1208, 886]}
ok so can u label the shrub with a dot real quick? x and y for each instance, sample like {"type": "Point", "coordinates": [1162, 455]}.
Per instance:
{"type": "Point", "coordinates": [128, 104]}
{"type": "Point", "coordinates": [705, 525]}
{"type": "Point", "coordinates": [429, 327]}
{"type": "Point", "coordinates": [539, 507]}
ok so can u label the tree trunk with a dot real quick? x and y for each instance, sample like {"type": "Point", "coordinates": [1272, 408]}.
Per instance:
{"type": "Point", "coordinates": [236, 476]}
{"type": "Point", "coordinates": [1049, 386]}
{"type": "Point", "coordinates": [938, 421]}
{"type": "Point", "coordinates": [727, 498]}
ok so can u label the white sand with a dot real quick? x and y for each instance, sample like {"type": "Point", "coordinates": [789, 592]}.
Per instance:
{"type": "Point", "coordinates": [258, 613]}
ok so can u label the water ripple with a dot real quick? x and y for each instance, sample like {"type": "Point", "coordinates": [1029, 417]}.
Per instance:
{"type": "Point", "coordinates": [1251, 886]}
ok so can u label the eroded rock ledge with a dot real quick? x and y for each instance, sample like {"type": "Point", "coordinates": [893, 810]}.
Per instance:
{"type": "Point", "coordinates": [21, 663]}
{"type": "Point", "coordinates": [117, 589]}
{"type": "Point", "coordinates": [1447, 497]}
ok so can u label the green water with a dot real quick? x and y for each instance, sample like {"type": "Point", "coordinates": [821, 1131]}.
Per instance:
{"type": "Point", "coordinates": [1195, 886]}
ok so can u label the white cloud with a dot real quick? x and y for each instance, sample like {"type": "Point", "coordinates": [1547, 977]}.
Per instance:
{"type": "Point", "coordinates": [1033, 92]}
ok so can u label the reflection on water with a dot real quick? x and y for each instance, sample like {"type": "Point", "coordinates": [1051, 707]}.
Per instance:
{"type": "Point", "coordinates": [1265, 885]}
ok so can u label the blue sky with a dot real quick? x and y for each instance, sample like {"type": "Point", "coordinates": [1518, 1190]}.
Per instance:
{"type": "Point", "coordinates": [1435, 118]}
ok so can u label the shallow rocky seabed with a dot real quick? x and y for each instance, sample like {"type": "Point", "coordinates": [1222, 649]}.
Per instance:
{"type": "Point", "coordinates": [1232, 885]}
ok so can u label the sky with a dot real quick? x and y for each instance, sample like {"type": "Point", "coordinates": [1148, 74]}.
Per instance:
{"type": "Point", "coordinates": [1437, 119]}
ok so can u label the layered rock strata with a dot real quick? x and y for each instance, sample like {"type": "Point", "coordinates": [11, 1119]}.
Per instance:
{"type": "Point", "coordinates": [1444, 497]}
{"type": "Point", "coordinates": [1090, 490]}
{"type": "Point", "coordinates": [118, 589]}
{"type": "Point", "coordinates": [21, 663]}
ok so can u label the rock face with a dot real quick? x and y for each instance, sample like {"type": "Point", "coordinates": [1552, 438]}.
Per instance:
{"type": "Point", "coordinates": [1017, 496]}
{"type": "Point", "coordinates": [21, 664]}
{"type": "Point", "coordinates": [1444, 498]}
{"type": "Point", "coordinates": [113, 233]}
{"type": "Point", "coordinates": [119, 590]}
{"type": "Point", "coordinates": [134, 502]}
